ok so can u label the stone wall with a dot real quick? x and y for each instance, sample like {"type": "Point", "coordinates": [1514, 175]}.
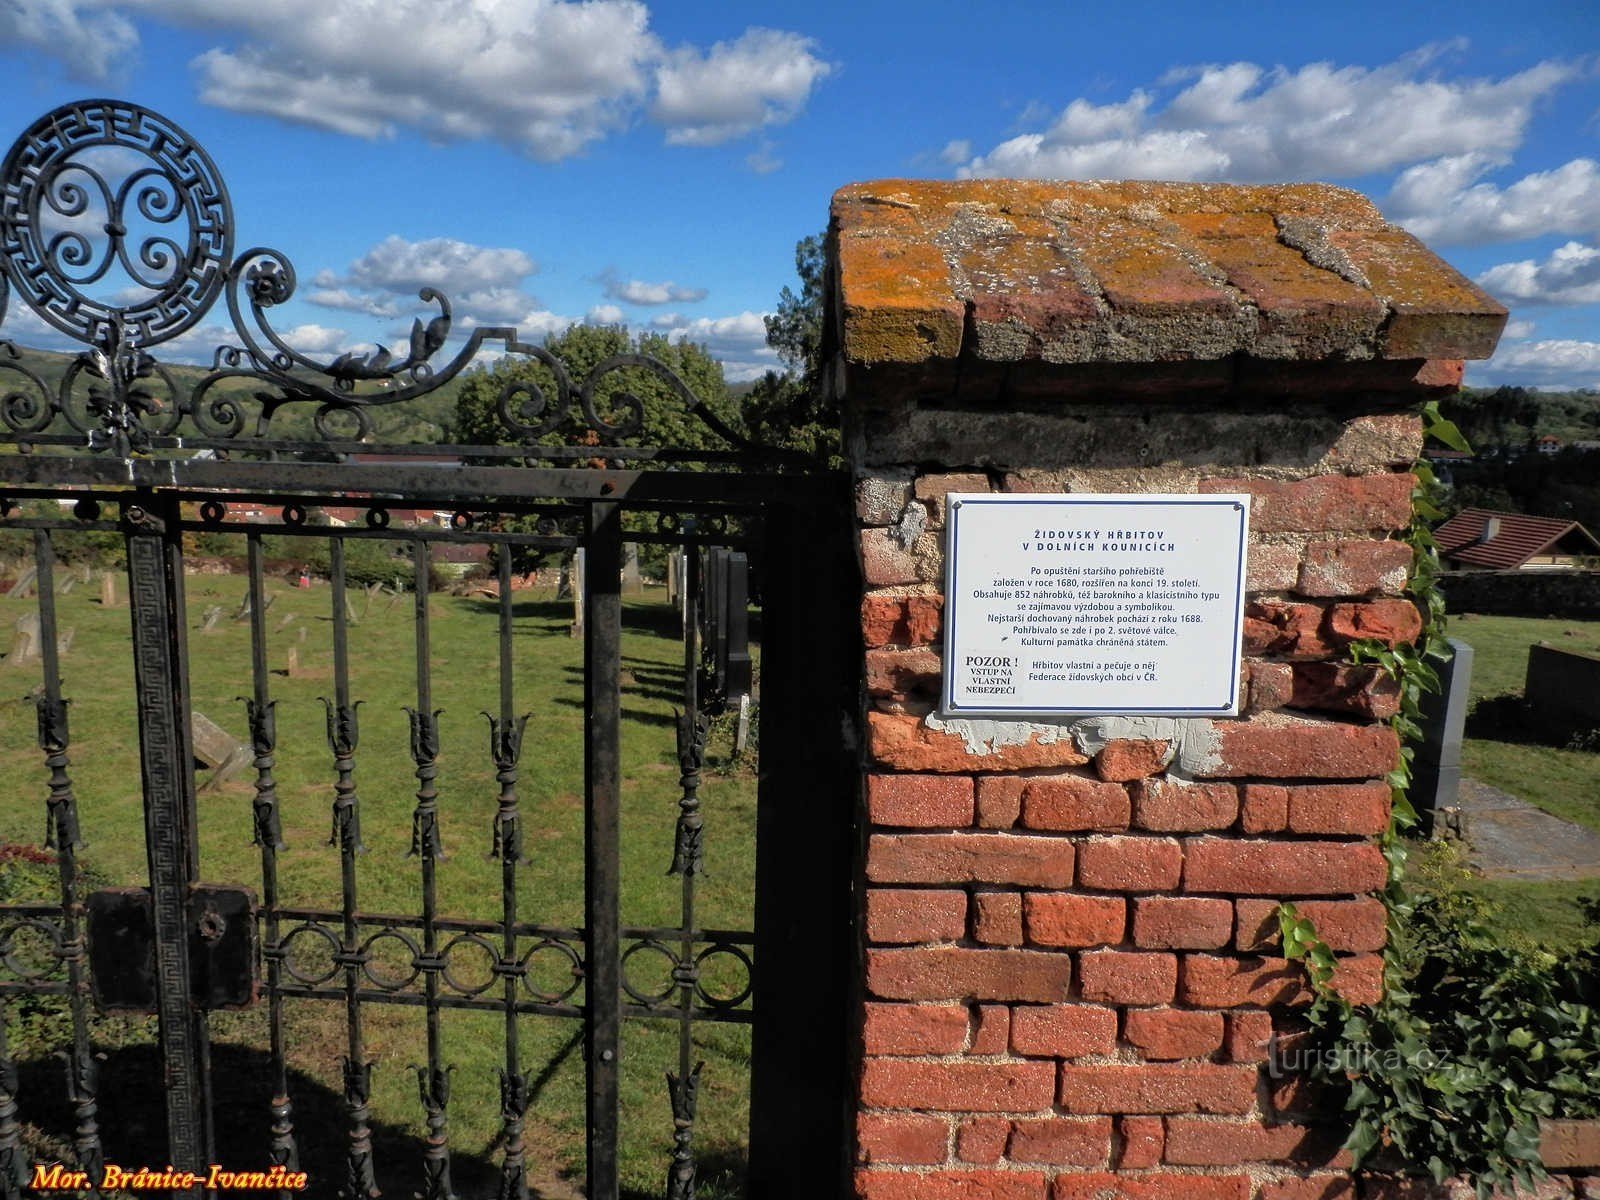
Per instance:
{"type": "Point", "coordinates": [1573, 594]}
{"type": "Point", "coordinates": [1071, 977]}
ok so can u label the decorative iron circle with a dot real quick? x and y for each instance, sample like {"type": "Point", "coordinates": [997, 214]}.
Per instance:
{"type": "Point", "coordinates": [742, 965]}
{"type": "Point", "coordinates": [64, 222]}
{"type": "Point", "coordinates": [212, 512]}
{"type": "Point", "coordinates": [377, 518]}
{"type": "Point", "coordinates": [471, 942]}
{"type": "Point", "coordinates": [304, 970]}
{"type": "Point", "coordinates": [391, 980]}
{"type": "Point", "coordinates": [566, 958]}
{"type": "Point", "coordinates": [639, 991]}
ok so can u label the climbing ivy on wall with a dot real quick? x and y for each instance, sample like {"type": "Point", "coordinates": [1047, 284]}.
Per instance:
{"type": "Point", "coordinates": [1473, 1041]}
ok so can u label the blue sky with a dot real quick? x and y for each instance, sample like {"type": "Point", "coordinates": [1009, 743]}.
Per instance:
{"type": "Point", "coordinates": [548, 162]}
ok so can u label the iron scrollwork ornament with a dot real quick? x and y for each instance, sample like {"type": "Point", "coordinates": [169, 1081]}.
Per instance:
{"type": "Point", "coordinates": [116, 229]}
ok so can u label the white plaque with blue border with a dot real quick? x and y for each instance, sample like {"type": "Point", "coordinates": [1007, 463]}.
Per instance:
{"type": "Point", "coordinates": [1092, 603]}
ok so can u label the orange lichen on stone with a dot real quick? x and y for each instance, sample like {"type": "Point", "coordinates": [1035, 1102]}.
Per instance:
{"type": "Point", "coordinates": [1013, 270]}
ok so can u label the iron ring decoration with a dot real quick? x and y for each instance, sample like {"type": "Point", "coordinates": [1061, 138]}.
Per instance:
{"type": "Point", "coordinates": [42, 927]}
{"type": "Point", "coordinates": [481, 943]}
{"type": "Point", "coordinates": [54, 190]}
{"type": "Point", "coordinates": [288, 962]}
{"type": "Point", "coordinates": [649, 999]}
{"type": "Point", "coordinates": [560, 948]}
{"type": "Point", "coordinates": [738, 954]}
{"type": "Point", "coordinates": [380, 979]}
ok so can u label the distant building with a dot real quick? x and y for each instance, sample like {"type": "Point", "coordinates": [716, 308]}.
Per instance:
{"type": "Point", "coordinates": [1482, 540]}
{"type": "Point", "coordinates": [1549, 444]}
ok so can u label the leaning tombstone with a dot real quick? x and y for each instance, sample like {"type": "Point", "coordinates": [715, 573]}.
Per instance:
{"type": "Point", "coordinates": [23, 587]}
{"type": "Point", "coordinates": [64, 641]}
{"type": "Point", "coordinates": [209, 620]}
{"type": "Point", "coordinates": [108, 590]}
{"type": "Point", "coordinates": [24, 643]}
{"type": "Point", "coordinates": [216, 750]}
{"type": "Point", "coordinates": [68, 582]}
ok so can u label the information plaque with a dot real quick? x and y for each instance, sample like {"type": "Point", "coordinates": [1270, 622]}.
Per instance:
{"type": "Point", "coordinates": [1084, 604]}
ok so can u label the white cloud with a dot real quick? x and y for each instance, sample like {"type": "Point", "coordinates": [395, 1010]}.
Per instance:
{"type": "Point", "coordinates": [1241, 121]}
{"type": "Point", "coordinates": [484, 283]}
{"type": "Point", "coordinates": [763, 160]}
{"type": "Point", "coordinates": [91, 43]}
{"type": "Point", "coordinates": [762, 78]}
{"type": "Point", "coordinates": [956, 152]}
{"type": "Point", "coordinates": [1518, 329]}
{"type": "Point", "coordinates": [739, 341]}
{"type": "Point", "coordinates": [1440, 201]}
{"type": "Point", "coordinates": [316, 339]}
{"type": "Point", "coordinates": [636, 291]}
{"type": "Point", "coordinates": [1569, 275]}
{"type": "Point", "coordinates": [1555, 363]}
{"type": "Point", "coordinates": [344, 298]}
{"type": "Point", "coordinates": [604, 314]}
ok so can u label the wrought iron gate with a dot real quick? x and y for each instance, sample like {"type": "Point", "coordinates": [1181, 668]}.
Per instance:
{"type": "Point", "coordinates": [126, 445]}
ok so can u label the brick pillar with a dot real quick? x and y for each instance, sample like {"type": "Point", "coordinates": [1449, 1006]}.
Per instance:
{"type": "Point", "coordinates": [1070, 970]}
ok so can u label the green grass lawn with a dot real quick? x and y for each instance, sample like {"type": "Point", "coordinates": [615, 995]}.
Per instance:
{"type": "Point", "coordinates": [549, 682]}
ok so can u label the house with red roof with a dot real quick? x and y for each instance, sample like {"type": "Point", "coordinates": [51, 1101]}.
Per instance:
{"type": "Point", "coordinates": [1480, 539]}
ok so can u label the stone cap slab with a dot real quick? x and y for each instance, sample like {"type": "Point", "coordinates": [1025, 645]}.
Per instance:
{"type": "Point", "coordinates": [1009, 271]}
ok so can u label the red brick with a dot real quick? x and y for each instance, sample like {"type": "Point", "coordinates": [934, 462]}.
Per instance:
{"type": "Point", "coordinates": [1139, 1142]}
{"type": "Point", "coordinates": [932, 490]}
{"type": "Point", "coordinates": [916, 915]}
{"type": "Point", "coordinates": [1101, 1185]}
{"type": "Point", "coordinates": [1219, 982]}
{"type": "Point", "coordinates": [900, 1138]}
{"type": "Point", "coordinates": [1122, 759]}
{"type": "Point", "coordinates": [969, 858]}
{"type": "Point", "coordinates": [914, 1029]}
{"type": "Point", "coordinates": [921, 801]}
{"type": "Point", "coordinates": [1363, 691]}
{"type": "Point", "coordinates": [1158, 1088]}
{"type": "Point", "coordinates": [1130, 864]}
{"type": "Point", "coordinates": [1169, 1033]}
{"type": "Point", "coordinates": [1265, 808]}
{"type": "Point", "coordinates": [885, 561]}
{"type": "Point", "coordinates": [1062, 1030]}
{"type": "Point", "coordinates": [901, 620]}
{"type": "Point", "coordinates": [1127, 977]}
{"type": "Point", "coordinates": [982, 1140]}
{"type": "Point", "coordinates": [956, 1086]}
{"type": "Point", "coordinates": [1354, 568]}
{"type": "Point", "coordinates": [999, 800]}
{"type": "Point", "coordinates": [903, 742]}
{"type": "Point", "coordinates": [991, 1029]}
{"type": "Point", "coordinates": [950, 1185]}
{"type": "Point", "coordinates": [1570, 1144]}
{"type": "Point", "coordinates": [1316, 1187]}
{"type": "Point", "coordinates": [1181, 923]}
{"type": "Point", "coordinates": [1271, 684]}
{"type": "Point", "coordinates": [1074, 802]}
{"type": "Point", "coordinates": [914, 671]}
{"type": "Point", "coordinates": [1162, 806]}
{"type": "Point", "coordinates": [1197, 1143]}
{"type": "Point", "coordinates": [1357, 809]}
{"type": "Point", "coordinates": [1304, 750]}
{"type": "Point", "coordinates": [1293, 631]}
{"type": "Point", "coordinates": [1323, 503]}
{"type": "Point", "coordinates": [997, 918]}
{"type": "Point", "coordinates": [1249, 1036]}
{"type": "Point", "coordinates": [1271, 567]}
{"type": "Point", "coordinates": [1061, 1141]}
{"type": "Point", "coordinates": [1265, 868]}
{"type": "Point", "coordinates": [1393, 622]}
{"type": "Point", "coordinates": [957, 973]}
{"type": "Point", "coordinates": [1071, 919]}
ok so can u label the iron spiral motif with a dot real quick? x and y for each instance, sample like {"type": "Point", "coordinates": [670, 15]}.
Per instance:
{"type": "Point", "coordinates": [116, 229]}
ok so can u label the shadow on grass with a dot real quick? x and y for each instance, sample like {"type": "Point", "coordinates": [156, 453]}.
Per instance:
{"type": "Point", "coordinates": [1511, 718]}
{"type": "Point", "coordinates": [132, 1120]}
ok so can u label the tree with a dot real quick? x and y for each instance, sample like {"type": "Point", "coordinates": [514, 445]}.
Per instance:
{"type": "Point", "coordinates": [790, 408]}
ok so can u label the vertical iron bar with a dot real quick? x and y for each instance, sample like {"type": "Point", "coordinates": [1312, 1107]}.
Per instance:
{"type": "Point", "coordinates": [687, 862]}
{"type": "Point", "coordinates": [343, 737]}
{"type": "Point", "coordinates": [261, 711]}
{"type": "Point", "coordinates": [155, 593]}
{"type": "Point", "coordinates": [505, 747]}
{"type": "Point", "coordinates": [433, 1080]}
{"type": "Point", "coordinates": [62, 833]}
{"type": "Point", "coordinates": [13, 1159]}
{"type": "Point", "coordinates": [602, 636]}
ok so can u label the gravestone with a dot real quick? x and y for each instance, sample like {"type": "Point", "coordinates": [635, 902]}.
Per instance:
{"type": "Point", "coordinates": [64, 642]}
{"type": "Point", "coordinates": [632, 581]}
{"type": "Point", "coordinates": [1564, 685]}
{"type": "Point", "coordinates": [209, 619]}
{"type": "Point", "coordinates": [1436, 769]}
{"type": "Point", "coordinates": [215, 749]}
{"type": "Point", "coordinates": [25, 643]}
{"type": "Point", "coordinates": [23, 587]}
{"type": "Point", "coordinates": [577, 593]}
{"type": "Point", "coordinates": [108, 590]}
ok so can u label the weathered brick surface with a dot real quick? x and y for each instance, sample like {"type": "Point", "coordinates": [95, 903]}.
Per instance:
{"type": "Point", "coordinates": [1149, 1088]}
{"type": "Point", "coordinates": [1210, 1143]}
{"type": "Point", "coordinates": [969, 858]}
{"type": "Point", "coordinates": [1354, 568]}
{"type": "Point", "coordinates": [886, 561]}
{"type": "Point", "coordinates": [1223, 982]}
{"type": "Point", "coordinates": [1249, 1037]}
{"type": "Point", "coordinates": [1570, 1145]}
{"type": "Point", "coordinates": [907, 915]}
{"type": "Point", "coordinates": [905, 743]}
{"type": "Point", "coordinates": [1272, 567]}
{"type": "Point", "coordinates": [991, 1029]}
{"type": "Point", "coordinates": [1304, 751]}
{"type": "Point", "coordinates": [902, 620]}
{"type": "Point", "coordinates": [950, 1185]}
{"type": "Point", "coordinates": [932, 490]}
{"type": "Point", "coordinates": [1127, 977]}
{"type": "Point", "coordinates": [914, 1029]}
{"type": "Point", "coordinates": [1393, 622]}
{"type": "Point", "coordinates": [1073, 919]}
{"type": "Point", "coordinates": [1181, 923]}
{"type": "Point", "coordinates": [1242, 867]}
{"type": "Point", "coordinates": [1356, 809]}
{"type": "Point", "coordinates": [1365, 691]}
{"type": "Point", "coordinates": [1060, 1141]}
{"type": "Point", "coordinates": [1123, 759]}
{"type": "Point", "coordinates": [901, 1138]}
{"type": "Point", "coordinates": [1074, 803]}
{"type": "Point", "coordinates": [982, 1140]}
{"type": "Point", "coordinates": [959, 973]}
{"type": "Point", "coordinates": [1170, 1033]}
{"type": "Point", "coordinates": [1323, 503]}
{"type": "Point", "coordinates": [1130, 864]}
{"type": "Point", "coordinates": [1312, 1187]}
{"type": "Point", "coordinates": [1063, 1030]}
{"type": "Point", "coordinates": [1140, 1141]}
{"type": "Point", "coordinates": [957, 1086]}
{"type": "Point", "coordinates": [1163, 806]}
{"type": "Point", "coordinates": [1166, 1185]}
{"type": "Point", "coordinates": [912, 671]}
{"type": "Point", "coordinates": [999, 800]}
{"type": "Point", "coordinates": [1270, 684]}
{"type": "Point", "coordinates": [880, 499]}
{"type": "Point", "coordinates": [1264, 808]}
{"type": "Point", "coordinates": [997, 918]}
{"type": "Point", "coordinates": [920, 801]}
